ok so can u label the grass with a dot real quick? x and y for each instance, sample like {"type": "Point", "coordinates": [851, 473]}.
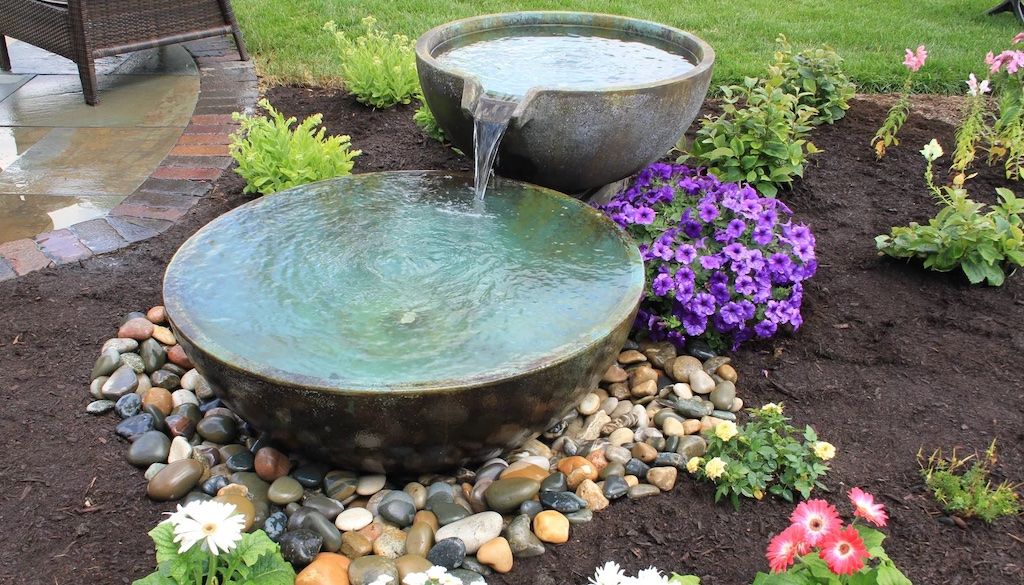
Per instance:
{"type": "Point", "coordinates": [291, 47]}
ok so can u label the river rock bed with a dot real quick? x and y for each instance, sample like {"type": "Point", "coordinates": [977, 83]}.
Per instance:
{"type": "Point", "coordinates": [629, 438]}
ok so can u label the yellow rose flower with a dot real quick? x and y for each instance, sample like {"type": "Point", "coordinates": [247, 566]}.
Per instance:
{"type": "Point", "coordinates": [824, 450]}
{"type": "Point", "coordinates": [714, 468]}
{"type": "Point", "coordinates": [725, 430]}
{"type": "Point", "coordinates": [772, 407]}
{"type": "Point", "coordinates": [694, 464]}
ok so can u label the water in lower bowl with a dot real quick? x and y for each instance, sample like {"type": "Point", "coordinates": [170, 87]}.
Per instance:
{"type": "Point", "coordinates": [513, 64]}
{"type": "Point", "coordinates": [392, 322]}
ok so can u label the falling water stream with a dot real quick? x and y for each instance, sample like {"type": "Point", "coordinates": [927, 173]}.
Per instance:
{"type": "Point", "coordinates": [490, 120]}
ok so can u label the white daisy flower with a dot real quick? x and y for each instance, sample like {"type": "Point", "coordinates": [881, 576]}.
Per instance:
{"type": "Point", "coordinates": [218, 524]}
{"type": "Point", "coordinates": [609, 574]}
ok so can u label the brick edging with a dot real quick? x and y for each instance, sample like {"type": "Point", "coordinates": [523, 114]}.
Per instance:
{"type": "Point", "coordinates": [187, 173]}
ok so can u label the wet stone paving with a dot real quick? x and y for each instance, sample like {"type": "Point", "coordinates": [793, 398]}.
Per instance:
{"type": "Point", "coordinates": [76, 180]}
{"type": "Point", "coordinates": [63, 162]}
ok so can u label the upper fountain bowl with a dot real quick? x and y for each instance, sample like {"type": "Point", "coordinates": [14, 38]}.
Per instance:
{"type": "Point", "coordinates": [577, 134]}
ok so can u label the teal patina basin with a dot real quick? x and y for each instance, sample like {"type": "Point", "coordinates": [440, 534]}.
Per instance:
{"type": "Point", "coordinates": [391, 322]}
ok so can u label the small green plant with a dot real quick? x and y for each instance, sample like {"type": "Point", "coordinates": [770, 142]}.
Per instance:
{"type": "Point", "coordinates": [766, 455]}
{"type": "Point", "coordinates": [203, 544]}
{"type": "Point", "coordinates": [967, 491]}
{"type": "Point", "coordinates": [760, 137]}
{"type": "Point", "coordinates": [378, 68]}
{"type": "Point", "coordinates": [973, 130]}
{"type": "Point", "coordinates": [817, 77]}
{"type": "Point", "coordinates": [897, 116]}
{"type": "Point", "coordinates": [272, 157]}
{"type": "Point", "coordinates": [425, 119]}
{"type": "Point", "coordinates": [984, 245]}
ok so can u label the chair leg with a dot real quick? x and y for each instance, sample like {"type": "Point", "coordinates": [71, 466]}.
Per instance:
{"type": "Point", "coordinates": [87, 73]}
{"type": "Point", "coordinates": [229, 15]}
{"type": "Point", "coordinates": [5, 57]}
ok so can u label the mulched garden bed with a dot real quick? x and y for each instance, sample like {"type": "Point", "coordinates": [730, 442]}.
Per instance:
{"type": "Point", "coordinates": [891, 358]}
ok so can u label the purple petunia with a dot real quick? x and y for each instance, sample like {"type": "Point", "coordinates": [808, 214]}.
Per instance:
{"type": "Point", "coordinates": [723, 263]}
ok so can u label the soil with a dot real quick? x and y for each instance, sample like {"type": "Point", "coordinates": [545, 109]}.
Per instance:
{"type": "Point", "coordinates": [891, 359]}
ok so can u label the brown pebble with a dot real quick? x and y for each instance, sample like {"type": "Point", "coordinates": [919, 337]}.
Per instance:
{"type": "Point", "coordinates": [551, 526]}
{"type": "Point", "coordinates": [496, 554]}
{"type": "Point", "coordinates": [242, 505]}
{"type": "Point", "coordinates": [176, 355]}
{"type": "Point", "coordinates": [727, 372]}
{"type": "Point", "coordinates": [642, 374]}
{"type": "Point", "coordinates": [615, 374]}
{"type": "Point", "coordinates": [139, 329]}
{"type": "Point", "coordinates": [591, 494]}
{"type": "Point", "coordinates": [644, 452]}
{"type": "Point", "coordinates": [160, 398]}
{"type": "Point", "coordinates": [157, 315]}
{"type": "Point", "coordinates": [631, 356]}
{"type": "Point", "coordinates": [619, 391]}
{"type": "Point", "coordinates": [271, 464]}
{"type": "Point", "coordinates": [427, 518]}
{"type": "Point", "coordinates": [326, 569]}
{"type": "Point", "coordinates": [355, 545]}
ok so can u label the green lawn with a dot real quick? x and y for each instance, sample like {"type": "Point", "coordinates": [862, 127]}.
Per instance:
{"type": "Point", "coordinates": [290, 47]}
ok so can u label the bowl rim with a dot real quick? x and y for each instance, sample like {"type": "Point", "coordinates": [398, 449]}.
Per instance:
{"type": "Point", "coordinates": [431, 39]}
{"type": "Point", "coordinates": [186, 329]}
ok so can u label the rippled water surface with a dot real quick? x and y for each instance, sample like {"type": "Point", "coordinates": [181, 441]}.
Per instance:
{"type": "Point", "coordinates": [393, 279]}
{"type": "Point", "coordinates": [512, 65]}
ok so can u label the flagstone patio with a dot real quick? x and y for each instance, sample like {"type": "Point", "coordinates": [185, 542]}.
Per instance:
{"type": "Point", "coordinates": [78, 180]}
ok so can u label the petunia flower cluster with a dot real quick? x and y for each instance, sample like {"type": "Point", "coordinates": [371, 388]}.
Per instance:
{"type": "Point", "coordinates": [723, 263]}
{"type": "Point", "coordinates": [816, 526]}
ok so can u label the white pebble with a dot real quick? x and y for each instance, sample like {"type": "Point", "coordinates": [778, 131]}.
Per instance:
{"type": "Point", "coordinates": [589, 405]}
{"type": "Point", "coordinates": [682, 390]}
{"type": "Point", "coordinates": [180, 449]}
{"type": "Point", "coordinates": [701, 383]}
{"type": "Point", "coordinates": [179, 397]}
{"type": "Point", "coordinates": [353, 519]}
{"type": "Point", "coordinates": [620, 437]}
{"type": "Point", "coordinates": [370, 484]}
{"type": "Point", "coordinates": [537, 460]}
{"type": "Point", "coordinates": [189, 379]}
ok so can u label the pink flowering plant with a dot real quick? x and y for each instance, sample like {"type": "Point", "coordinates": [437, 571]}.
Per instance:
{"type": "Point", "coordinates": [1006, 135]}
{"type": "Point", "coordinates": [886, 135]}
{"type": "Point", "coordinates": [819, 549]}
{"type": "Point", "coordinates": [723, 263]}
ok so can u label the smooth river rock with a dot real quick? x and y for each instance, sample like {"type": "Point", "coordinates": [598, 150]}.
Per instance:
{"type": "Point", "coordinates": [175, 480]}
{"type": "Point", "coordinates": [473, 531]}
{"type": "Point", "coordinates": [505, 495]}
{"type": "Point", "coordinates": [151, 447]}
{"type": "Point", "coordinates": [366, 570]}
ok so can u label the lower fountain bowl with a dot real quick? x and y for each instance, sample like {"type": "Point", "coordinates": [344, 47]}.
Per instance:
{"type": "Point", "coordinates": [389, 322]}
{"type": "Point", "coordinates": [572, 141]}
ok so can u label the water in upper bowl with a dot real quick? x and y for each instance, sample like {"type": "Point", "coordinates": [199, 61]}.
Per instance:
{"type": "Point", "coordinates": [589, 59]}
{"type": "Point", "coordinates": [402, 279]}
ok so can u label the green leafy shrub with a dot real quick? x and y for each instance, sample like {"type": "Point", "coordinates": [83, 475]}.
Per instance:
{"type": "Point", "coordinates": [766, 455]}
{"type": "Point", "coordinates": [967, 491]}
{"type": "Point", "coordinates": [378, 68]}
{"type": "Point", "coordinates": [760, 137]}
{"type": "Point", "coordinates": [272, 157]}
{"type": "Point", "coordinates": [817, 77]}
{"type": "Point", "coordinates": [984, 245]}
{"type": "Point", "coordinates": [425, 119]}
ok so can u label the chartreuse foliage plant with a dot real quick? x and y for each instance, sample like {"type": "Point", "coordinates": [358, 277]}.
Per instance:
{"type": "Point", "coordinates": [985, 245]}
{"type": "Point", "coordinates": [765, 456]}
{"type": "Point", "coordinates": [816, 77]}
{"type": "Point", "coordinates": [759, 138]}
{"type": "Point", "coordinates": [203, 544]}
{"type": "Point", "coordinates": [967, 491]}
{"type": "Point", "coordinates": [272, 156]}
{"type": "Point", "coordinates": [819, 549]}
{"type": "Point", "coordinates": [426, 121]}
{"type": "Point", "coordinates": [378, 68]}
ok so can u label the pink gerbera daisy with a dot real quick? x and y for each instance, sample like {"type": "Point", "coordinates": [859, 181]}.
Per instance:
{"type": "Point", "coordinates": [816, 519]}
{"type": "Point", "coordinates": [785, 547]}
{"type": "Point", "coordinates": [843, 551]}
{"type": "Point", "coordinates": [865, 507]}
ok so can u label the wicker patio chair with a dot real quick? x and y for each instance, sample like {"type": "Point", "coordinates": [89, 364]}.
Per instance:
{"type": "Point", "coordinates": [85, 30]}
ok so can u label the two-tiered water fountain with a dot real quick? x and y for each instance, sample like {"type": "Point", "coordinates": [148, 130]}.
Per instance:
{"type": "Point", "coordinates": [398, 322]}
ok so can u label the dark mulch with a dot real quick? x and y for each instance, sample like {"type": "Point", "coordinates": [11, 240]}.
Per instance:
{"type": "Point", "coordinates": [891, 359]}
